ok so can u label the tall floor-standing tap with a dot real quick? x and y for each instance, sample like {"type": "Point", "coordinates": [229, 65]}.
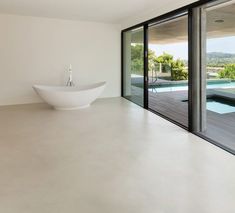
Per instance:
{"type": "Point", "coordinates": [70, 81]}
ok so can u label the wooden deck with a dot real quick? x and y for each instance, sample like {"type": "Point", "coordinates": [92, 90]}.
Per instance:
{"type": "Point", "coordinates": [170, 104]}
{"type": "Point", "coordinates": [220, 127]}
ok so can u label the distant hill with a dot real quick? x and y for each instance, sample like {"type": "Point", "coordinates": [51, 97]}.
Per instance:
{"type": "Point", "coordinates": [218, 59]}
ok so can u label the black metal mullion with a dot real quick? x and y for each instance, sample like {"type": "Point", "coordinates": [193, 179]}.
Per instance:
{"type": "Point", "coordinates": [122, 65]}
{"type": "Point", "coordinates": [146, 66]}
{"type": "Point", "coordinates": [190, 70]}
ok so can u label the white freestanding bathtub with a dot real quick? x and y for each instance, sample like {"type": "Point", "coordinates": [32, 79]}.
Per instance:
{"type": "Point", "coordinates": [69, 98]}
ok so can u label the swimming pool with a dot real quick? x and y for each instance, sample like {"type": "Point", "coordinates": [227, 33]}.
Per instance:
{"type": "Point", "coordinates": [220, 106]}
{"type": "Point", "coordinates": [184, 87]}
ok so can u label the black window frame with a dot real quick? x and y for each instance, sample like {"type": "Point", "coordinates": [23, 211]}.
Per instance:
{"type": "Point", "coordinates": [188, 9]}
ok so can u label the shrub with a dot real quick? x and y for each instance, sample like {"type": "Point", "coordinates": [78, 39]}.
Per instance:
{"type": "Point", "coordinates": [137, 66]}
{"type": "Point", "coordinates": [178, 70]}
{"type": "Point", "coordinates": [228, 72]}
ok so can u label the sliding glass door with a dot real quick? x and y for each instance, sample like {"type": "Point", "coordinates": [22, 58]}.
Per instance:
{"type": "Point", "coordinates": [220, 73]}
{"type": "Point", "coordinates": [182, 66]}
{"type": "Point", "coordinates": [133, 65]}
{"type": "Point", "coordinates": [168, 68]}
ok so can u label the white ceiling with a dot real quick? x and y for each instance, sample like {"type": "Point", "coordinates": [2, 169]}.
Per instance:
{"type": "Point", "coordinates": [107, 11]}
{"type": "Point", "coordinates": [176, 30]}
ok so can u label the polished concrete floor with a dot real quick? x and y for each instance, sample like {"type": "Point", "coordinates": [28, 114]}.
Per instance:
{"type": "Point", "coordinates": [113, 157]}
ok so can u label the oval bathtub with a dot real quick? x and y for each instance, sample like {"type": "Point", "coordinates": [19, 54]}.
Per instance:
{"type": "Point", "coordinates": [69, 98]}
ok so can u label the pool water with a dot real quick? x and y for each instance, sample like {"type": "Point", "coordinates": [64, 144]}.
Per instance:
{"type": "Point", "coordinates": [214, 104]}
{"type": "Point", "coordinates": [220, 106]}
{"type": "Point", "coordinates": [172, 88]}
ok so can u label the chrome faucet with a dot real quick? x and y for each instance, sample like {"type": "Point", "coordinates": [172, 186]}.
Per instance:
{"type": "Point", "coordinates": [70, 81]}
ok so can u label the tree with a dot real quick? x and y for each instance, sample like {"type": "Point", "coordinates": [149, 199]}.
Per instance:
{"type": "Point", "coordinates": [152, 62]}
{"type": "Point", "coordinates": [165, 59]}
{"type": "Point", "coordinates": [168, 64]}
{"type": "Point", "coordinates": [137, 52]}
{"type": "Point", "coordinates": [137, 59]}
{"type": "Point", "coordinates": [228, 72]}
{"type": "Point", "coordinates": [178, 70]}
{"type": "Point", "coordinates": [137, 65]}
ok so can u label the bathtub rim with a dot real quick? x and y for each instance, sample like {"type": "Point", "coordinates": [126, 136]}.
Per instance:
{"type": "Point", "coordinates": [55, 88]}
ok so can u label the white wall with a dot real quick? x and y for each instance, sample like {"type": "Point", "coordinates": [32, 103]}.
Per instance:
{"type": "Point", "coordinates": [157, 10]}
{"type": "Point", "coordinates": [37, 50]}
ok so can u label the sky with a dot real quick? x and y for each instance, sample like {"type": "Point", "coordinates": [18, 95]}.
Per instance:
{"type": "Point", "coordinates": [179, 50]}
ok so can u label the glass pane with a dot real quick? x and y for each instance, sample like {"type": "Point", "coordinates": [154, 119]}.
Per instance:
{"type": "Point", "coordinates": [168, 69]}
{"type": "Point", "coordinates": [133, 58]}
{"type": "Point", "coordinates": [220, 71]}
